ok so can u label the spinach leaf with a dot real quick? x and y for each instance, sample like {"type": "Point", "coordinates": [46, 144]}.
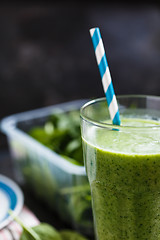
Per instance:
{"type": "Point", "coordinates": [44, 231]}
{"type": "Point", "coordinates": [71, 235]}
{"type": "Point", "coordinates": [61, 133]}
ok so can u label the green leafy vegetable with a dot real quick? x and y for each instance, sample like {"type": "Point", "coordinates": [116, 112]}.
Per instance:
{"type": "Point", "coordinates": [71, 235]}
{"type": "Point", "coordinates": [79, 203]}
{"type": "Point", "coordinates": [44, 231]}
{"type": "Point", "coordinates": [29, 232]}
{"type": "Point", "coordinates": [61, 133]}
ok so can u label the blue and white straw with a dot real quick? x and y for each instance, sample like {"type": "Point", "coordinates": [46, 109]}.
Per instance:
{"type": "Point", "coordinates": [105, 75]}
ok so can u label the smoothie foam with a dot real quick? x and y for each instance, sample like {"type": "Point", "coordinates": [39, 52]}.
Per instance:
{"type": "Point", "coordinates": [123, 168]}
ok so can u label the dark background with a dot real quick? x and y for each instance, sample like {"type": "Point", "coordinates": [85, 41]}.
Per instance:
{"type": "Point", "coordinates": [47, 57]}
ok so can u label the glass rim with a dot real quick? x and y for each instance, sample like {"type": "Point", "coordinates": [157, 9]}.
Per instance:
{"type": "Point", "coordinates": [110, 125]}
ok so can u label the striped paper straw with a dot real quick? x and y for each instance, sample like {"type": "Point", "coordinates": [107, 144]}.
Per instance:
{"type": "Point", "coordinates": [105, 75]}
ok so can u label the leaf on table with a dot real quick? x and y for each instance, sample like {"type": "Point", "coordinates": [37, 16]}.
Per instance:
{"type": "Point", "coordinates": [71, 235]}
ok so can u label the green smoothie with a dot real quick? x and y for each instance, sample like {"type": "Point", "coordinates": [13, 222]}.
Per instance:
{"type": "Point", "coordinates": [123, 168]}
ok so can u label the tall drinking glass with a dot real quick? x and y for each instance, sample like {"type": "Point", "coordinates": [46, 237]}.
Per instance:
{"type": "Point", "coordinates": [123, 167]}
